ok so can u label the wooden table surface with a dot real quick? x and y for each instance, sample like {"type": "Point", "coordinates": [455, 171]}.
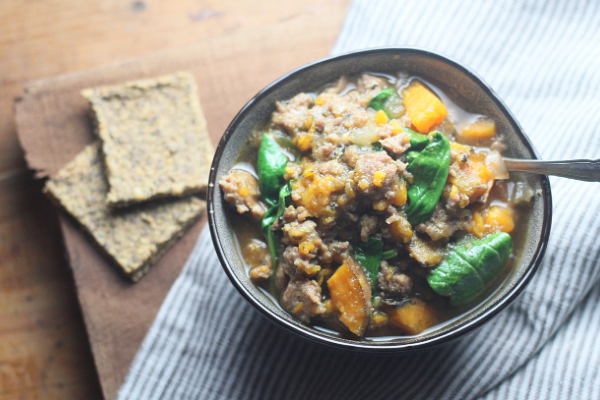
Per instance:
{"type": "Point", "coordinates": [44, 349]}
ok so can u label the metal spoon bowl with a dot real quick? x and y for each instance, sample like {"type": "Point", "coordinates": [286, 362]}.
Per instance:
{"type": "Point", "coordinates": [581, 170]}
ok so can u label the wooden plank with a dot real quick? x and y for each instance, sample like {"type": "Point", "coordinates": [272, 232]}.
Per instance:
{"type": "Point", "coordinates": [54, 125]}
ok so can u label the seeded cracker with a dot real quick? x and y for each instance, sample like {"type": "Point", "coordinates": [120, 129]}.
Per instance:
{"type": "Point", "coordinates": [154, 138]}
{"type": "Point", "coordinates": [134, 238]}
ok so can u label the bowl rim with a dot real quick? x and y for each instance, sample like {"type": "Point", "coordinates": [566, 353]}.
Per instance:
{"type": "Point", "coordinates": [368, 346]}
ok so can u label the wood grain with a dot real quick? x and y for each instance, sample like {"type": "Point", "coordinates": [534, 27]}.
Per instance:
{"type": "Point", "coordinates": [43, 344]}
{"type": "Point", "coordinates": [235, 48]}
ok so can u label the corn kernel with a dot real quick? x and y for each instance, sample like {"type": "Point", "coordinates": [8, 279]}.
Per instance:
{"type": "Point", "coordinates": [396, 128]}
{"type": "Point", "coordinates": [381, 118]}
{"type": "Point", "coordinates": [477, 225]}
{"type": "Point", "coordinates": [309, 122]}
{"type": "Point", "coordinates": [312, 130]}
{"type": "Point", "coordinates": [363, 184]}
{"type": "Point", "coordinates": [378, 178]}
{"type": "Point", "coordinates": [328, 220]}
{"type": "Point", "coordinates": [379, 318]}
{"type": "Point", "coordinates": [289, 170]}
{"type": "Point", "coordinates": [399, 194]}
{"type": "Point", "coordinates": [380, 205]}
{"type": "Point", "coordinates": [260, 272]}
{"type": "Point", "coordinates": [313, 269]}
{"type": "Point", "coordinates": [243, 191]}
{"type": "Point", "coordinates": [329, 308]}
{"type": "Point", "coordinates": [306, 247]}
{"type": "Point", "coordinates": [304, 143]}
{"type": "Point", "coordinates": [323, 274]}
{"type": "Point", "coordinates": [298, 308]}
{"type": "Point", "coordinates": [376, 301]}
{"type": "Point", "coordinates": [319, 101]}
{"type": "Point", "coordinates": [309, 172]}
{"type": "Point", "coordinates": [454, 191]}
{"type": "Point", "coordinates": [349, 191]}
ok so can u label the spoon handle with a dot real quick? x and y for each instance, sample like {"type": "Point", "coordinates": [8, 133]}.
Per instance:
{"type": "Point", "coordinates": [581, 170]}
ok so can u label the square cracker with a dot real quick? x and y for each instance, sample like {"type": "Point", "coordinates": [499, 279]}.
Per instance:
{"type": "Point", "coordinates": [154, 138]}
{"type": "Point", "coordinates": [133, 238]}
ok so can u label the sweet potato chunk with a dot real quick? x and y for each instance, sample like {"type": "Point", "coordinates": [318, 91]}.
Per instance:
{"type": "Point", "coordinates": [471, 182]}
{"type": "Point", "coordinates": [477, 225]}
{"type": "Point", "coordinates": [424, 108]}
{"type": "Point", "coordinates": [482, 131]}
{"type": "Point", "coordinates": [459, 153]}
{"type": "Point", "coordinates": [413, 317]}
{"type": "Point", "coordinates": [401, 229]}
{"type": "Point", "coordinates": [351, 296]}
{"type": "Point", "coordinates": [491, 220]}
{"type": "Point", "coordinates": [499, 219]}
{"type": "Point", "coordinates": [426, 253]}
{"type": "Point", "coordinates": [314, 190]}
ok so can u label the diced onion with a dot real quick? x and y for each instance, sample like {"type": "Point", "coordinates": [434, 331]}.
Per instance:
{"type": "Point", "coordinates": [522, 193]}
{"type": "Point", "coordinates": [494, 163]}
{"type": "Point", "coordinates": [365, 136]}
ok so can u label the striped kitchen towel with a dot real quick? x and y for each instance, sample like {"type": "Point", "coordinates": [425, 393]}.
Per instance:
{"type": "Point", "coordinates": [543, 59]}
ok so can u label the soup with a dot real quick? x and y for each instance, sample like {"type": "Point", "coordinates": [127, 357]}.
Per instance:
{"type": "Point", "coordinates": [376, 207]}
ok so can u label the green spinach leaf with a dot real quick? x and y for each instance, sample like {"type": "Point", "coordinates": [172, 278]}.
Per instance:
{"type": "Point", "coordinates": [411, 155]}
{"type": "Point", "coordinates": [430, 171]}
{"type": "Point", "coordinates": [386, 255]}
{"type": "Point", "coordinates": [418, 141]}
{"type": "Point", "coordinates": [266, 224]}
{"type": "Point", "coordinates": [271, 165]}
{"type": "Point", "coordinates": [272, 214]}
{"type": "Point", "coordinates": [389, 101]}
{"type": "Point", "coordinates": [369, 255]}
{"type": "Point", "coordinates": [377, 146]}
{"type": "Point", "coordinates": [467, 269]}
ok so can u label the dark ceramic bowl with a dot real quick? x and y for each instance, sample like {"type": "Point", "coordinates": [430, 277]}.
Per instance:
{"type": "Point", "coordinates": [458, 82]}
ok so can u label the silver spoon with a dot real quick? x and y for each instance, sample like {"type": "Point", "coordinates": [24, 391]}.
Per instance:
{"type": "Point", "coordinates": [581, 170]}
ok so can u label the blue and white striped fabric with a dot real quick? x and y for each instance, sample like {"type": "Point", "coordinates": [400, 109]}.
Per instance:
{"type": "Point", "coordinates": [543, 59]}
